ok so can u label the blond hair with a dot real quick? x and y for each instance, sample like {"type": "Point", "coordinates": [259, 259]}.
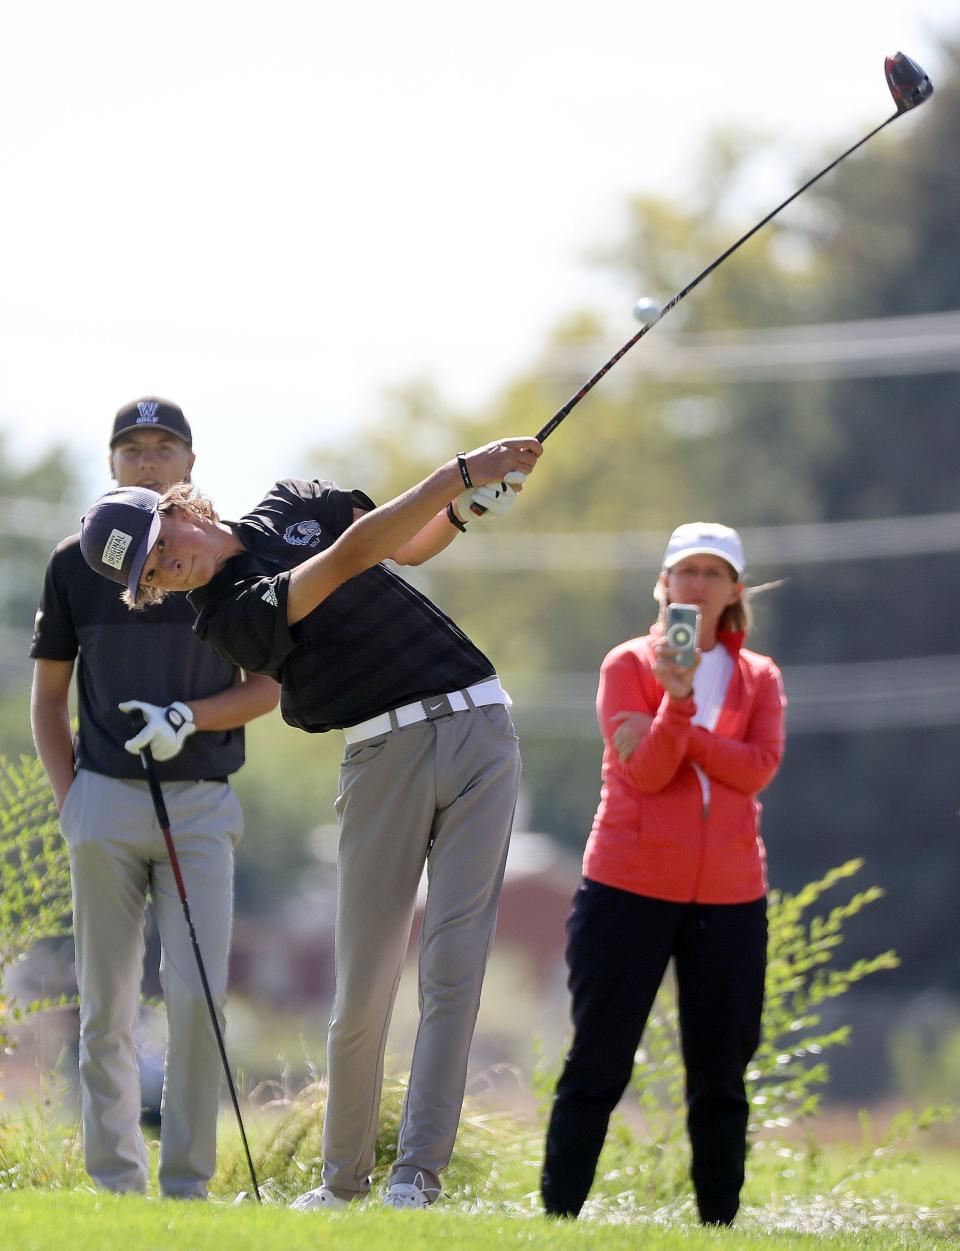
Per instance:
{"type": "Point", "coordinates": [185, 499]}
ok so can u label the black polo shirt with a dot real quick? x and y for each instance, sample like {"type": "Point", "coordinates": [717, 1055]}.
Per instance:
{"type": "Point", "coordinates": [153, 656]}
{"type": "Point", "coordinates": [372, 645]}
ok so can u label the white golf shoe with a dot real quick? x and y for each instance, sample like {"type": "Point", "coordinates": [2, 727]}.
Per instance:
{"type": "Point", "coordinates": [406, 1195]}
{"type": "Point", "coordinates": [322, 1197]}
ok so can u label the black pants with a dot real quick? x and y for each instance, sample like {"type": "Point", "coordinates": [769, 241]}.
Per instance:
{"type": "Point", "coordinates": [618, 947]}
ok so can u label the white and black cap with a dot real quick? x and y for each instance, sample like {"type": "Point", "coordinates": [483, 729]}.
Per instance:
{"type": "Point", "coordinates": [705, 538]}
{"type": "Point", "coordinates": [117, 533]}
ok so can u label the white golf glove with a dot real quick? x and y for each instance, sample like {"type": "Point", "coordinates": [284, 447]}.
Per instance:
{"type": "Point", "coordinates": [166, 729]}
{"type": "Point", "coordinates": [497, 498]}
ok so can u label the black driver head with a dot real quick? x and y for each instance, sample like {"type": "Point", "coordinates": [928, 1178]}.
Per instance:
{"type": "Point", "coordinates": [908, 84]}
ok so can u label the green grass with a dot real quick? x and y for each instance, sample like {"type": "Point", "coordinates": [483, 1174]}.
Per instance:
{"type": "Point", "coordinates": [871, 1196]}
{"type": "Point", "coordinates": [828, 1200]}
{"type": "Point", "coordinates": [38, 1221]}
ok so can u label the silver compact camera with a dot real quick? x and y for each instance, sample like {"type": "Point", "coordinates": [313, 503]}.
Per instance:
{"type": "Point", "coordinates": [683, 632]}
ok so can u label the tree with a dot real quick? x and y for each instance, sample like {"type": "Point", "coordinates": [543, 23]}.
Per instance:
{"type": "Point", "coordinates": [35, 512]}
{"type": "Point", "coordinates": [873, 239]}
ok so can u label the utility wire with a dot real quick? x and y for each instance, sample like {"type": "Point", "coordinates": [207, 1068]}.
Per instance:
{"type": "Point", "coordinates": [885, 347]}
{"type": "Point", "coordinates": [639, 550]}
{"type": "Point", "coordinates": [914, 692]}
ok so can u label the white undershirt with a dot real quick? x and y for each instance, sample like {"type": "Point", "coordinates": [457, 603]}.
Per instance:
{"type": "Point", "coordinates": [710, 684]}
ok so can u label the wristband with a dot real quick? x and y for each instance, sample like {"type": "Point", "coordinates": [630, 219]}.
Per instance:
{"type": "Point", "coordinates": [454, 519]}
{"type": "Point", "coordinates": [464, 471]}
{"type": "Point", "coordinates": [178, 715]}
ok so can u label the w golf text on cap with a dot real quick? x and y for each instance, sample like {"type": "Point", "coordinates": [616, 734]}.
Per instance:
{"type": "Point", "coordinates": [117, 533]}
{"type": "Point", "coordinates": [705, 538]}
{"type": "Point", "coordinates": [151, 413]}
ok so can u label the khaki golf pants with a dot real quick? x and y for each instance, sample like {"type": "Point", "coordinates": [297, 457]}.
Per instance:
{"type": "Point", "coordinates": [117, 855]}
{"type": "Point", "coordinates": [443, 793]}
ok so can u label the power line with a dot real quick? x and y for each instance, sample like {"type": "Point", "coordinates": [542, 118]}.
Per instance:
{"type": "Point", "coordinates": [777, 546]}
{"type": "Point", "coordinates": [909, 693]}
{"type": "Point", "coordinates": [884, 347]}
{"type": "Point", "coordinates": [595, 551]}
{"type": "Point", "coordinates": [915, 692]}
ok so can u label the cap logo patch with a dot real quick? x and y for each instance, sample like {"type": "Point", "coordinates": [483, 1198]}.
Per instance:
{"type": "Point", "coordinates": [115, 548]}
{"type": "Point", "coordinates": [147, 410]}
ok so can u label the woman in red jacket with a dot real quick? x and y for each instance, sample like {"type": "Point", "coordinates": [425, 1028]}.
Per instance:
{"type": "Point", "coordinates": [674, 867]}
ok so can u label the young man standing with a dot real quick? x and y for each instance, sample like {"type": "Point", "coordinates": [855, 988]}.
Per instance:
{"type": "Point", "coordinates": [192, 704]}
{"type": "Point", "coordinates": [431, 767]}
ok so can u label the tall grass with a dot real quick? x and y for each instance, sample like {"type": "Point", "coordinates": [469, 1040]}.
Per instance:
{"type": "Point", "coordinates": [881, 1184]}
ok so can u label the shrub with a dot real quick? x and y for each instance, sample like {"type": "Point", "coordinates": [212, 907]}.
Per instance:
{"type": "Point", "coordinates": [788, 1073]}
{"type": "Point", "coordinates": [34, 882]}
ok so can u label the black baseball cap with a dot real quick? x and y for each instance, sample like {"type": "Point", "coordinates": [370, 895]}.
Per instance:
{"type": "Point", "coordinates": [152, 413]}
{"type": "Point", "coordinates": [117, 533]}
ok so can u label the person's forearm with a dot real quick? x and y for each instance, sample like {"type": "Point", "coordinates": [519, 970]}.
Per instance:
{"type": "Point", "coordinates": [437, 534]}
{"type": "Point", "coordinates": [743, 766]}
{"type": "Point", "coordinates": [662, 749]}
{"type": "Point", "coordinates": [385, 530]}
{"type": "Point", "coordinates": [236, 705]}
{"type": "Point", "coordinates": [750, 764]}
{"type": "Point", "coordinates": [53, 738]}
{"type": "Point", "coordinates": [374, 537]}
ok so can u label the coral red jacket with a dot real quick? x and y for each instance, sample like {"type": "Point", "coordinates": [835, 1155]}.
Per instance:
{"type": "Point", "coordinates": [661, 829]}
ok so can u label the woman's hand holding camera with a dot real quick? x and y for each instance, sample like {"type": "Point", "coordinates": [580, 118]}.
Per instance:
{"type": "Point", "coordinates": [676, 680]}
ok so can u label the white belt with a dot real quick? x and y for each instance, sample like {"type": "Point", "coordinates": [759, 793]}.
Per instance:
{"type": "Point", "coordinates": [487, 692]}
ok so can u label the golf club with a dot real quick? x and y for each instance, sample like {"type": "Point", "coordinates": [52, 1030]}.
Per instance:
{"type": "Point", "coordinates": [909, 86]}
{"type": "Point", "coordinates": [160, 808]}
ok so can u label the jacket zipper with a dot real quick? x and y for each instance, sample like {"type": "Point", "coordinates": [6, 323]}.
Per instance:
{"type": "Point", "coordinates": [704, 818]}
{"type": "Point", "coordinates": [704, 792]}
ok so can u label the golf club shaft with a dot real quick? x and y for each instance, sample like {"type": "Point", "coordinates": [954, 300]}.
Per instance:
{"type": "Point", "coordinates": [163, 819]}
{"type": "Point", "coordinates": [591, 382]}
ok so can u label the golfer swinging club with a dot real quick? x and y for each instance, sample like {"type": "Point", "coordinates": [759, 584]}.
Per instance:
{"type": "Point", "coordinates": [430, 773]}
